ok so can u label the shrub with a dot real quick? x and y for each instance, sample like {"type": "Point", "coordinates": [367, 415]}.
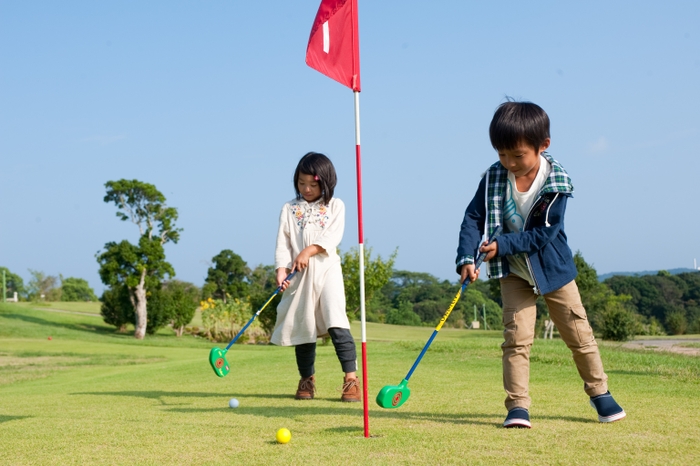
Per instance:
{"type": "Point", "coordinates": [117, 308]}
{"type": "Point", "coordinates": [617, 323]}
{"type": "Point", "coordinates": [404, 315]}
{"type": "Point", "coordinates": [223, 321]}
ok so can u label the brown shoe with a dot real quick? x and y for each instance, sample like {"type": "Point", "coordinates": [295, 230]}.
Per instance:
{"type": "Point", "coordinates": [351, 390]}
{"type": "Point", "coordinates": [306, 389]}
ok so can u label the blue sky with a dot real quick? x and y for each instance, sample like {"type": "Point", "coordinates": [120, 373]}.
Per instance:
{"type": "Point", "coordinates": [211, 102]}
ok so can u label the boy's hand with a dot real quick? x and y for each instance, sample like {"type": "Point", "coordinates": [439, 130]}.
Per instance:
{"type": "Point", "coordinates": [282, 273]}
{"type": "Point", "coordinates": [469, 272]}
{"type": "Point", "coordinates": [490, 249]}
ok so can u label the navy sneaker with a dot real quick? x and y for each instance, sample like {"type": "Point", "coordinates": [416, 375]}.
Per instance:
{"type": "Point", "coordinates": [608, 410]}
{"type": "Point", "coordinates": [518, 417]}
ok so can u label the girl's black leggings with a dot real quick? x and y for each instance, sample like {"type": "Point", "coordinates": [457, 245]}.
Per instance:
{"type": "Point", "coordinates": [344, 345]}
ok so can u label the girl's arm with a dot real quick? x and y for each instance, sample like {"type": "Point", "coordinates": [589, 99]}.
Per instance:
{"type": "Point", "coordinates": [283, 249]}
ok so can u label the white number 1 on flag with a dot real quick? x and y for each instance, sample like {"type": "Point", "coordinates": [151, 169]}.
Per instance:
{"type": "Point", "coordinates": [326, 38]}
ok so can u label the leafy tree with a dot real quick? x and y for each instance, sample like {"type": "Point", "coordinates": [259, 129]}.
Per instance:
{"type": "Point", "coordinates": [139, 267]}
{"type": "Point", "coordinates": [377, 274]}
{"type": "Point", "coordinates": [76, 289]}
{"type": "Point", "coordinates": [43, 287]}
{"type": "Point", "coordinates": [228, 277]}
{"type": "Point", "coordinates": [117, 308]}
{"type": "Point", "coordinates": [13, 283]}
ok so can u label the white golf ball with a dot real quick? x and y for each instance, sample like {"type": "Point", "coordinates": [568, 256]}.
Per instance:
{"type": "Point", "coordinates": [233, 403]}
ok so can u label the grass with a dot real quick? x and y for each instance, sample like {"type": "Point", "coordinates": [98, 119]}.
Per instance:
{"type": "Point", "coordinates": [92, 396]}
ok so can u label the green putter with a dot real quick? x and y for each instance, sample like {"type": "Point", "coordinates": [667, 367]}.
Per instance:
{"type": "Point", "coordinates": [217, 359]}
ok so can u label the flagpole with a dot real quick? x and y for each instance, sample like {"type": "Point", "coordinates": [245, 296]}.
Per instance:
{"type": "Point", "coordinates": [361, 241]}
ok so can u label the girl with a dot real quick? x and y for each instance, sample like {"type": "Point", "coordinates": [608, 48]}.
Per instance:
{"type": "Point", "coordinates": [310, 230]}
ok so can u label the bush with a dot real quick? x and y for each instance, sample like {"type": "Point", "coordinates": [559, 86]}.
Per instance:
{"type": "Point", "coordinates": [174, 304]}
{"type": "Point", "coordinates": [117, 308]}
{"type": "Point", "coordinates": [617, 323]}
{"type": "Point", "coordinates": [76, 289]}
{"type": "Point", "coordinates": [223, 321]}
{"type": "Point", "coordinates": [676, 322]}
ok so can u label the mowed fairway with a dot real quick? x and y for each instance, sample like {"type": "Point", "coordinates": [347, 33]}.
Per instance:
{"type": "Point", "coordinates": [91, 396]}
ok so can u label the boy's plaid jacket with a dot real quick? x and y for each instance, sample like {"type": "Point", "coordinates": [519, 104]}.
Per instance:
{"type": "Point", "coordinates": [543, 239]}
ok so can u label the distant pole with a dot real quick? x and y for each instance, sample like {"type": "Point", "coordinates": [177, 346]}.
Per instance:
{"type": "Point", "coordinates": [4, 290]}
{"type": "Point", "coordinates": [483, 311]}
{"type": "Point", "coordinates": [475, 313]}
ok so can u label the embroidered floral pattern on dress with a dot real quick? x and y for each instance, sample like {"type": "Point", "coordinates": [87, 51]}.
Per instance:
{"type": "Point", "coordinates": [314, 213]}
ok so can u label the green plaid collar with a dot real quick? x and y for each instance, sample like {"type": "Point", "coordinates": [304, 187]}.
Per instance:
{"type": "Point", "coordinates": [497, 177]}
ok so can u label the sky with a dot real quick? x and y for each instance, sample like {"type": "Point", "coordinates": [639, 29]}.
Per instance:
{"type": "Point", "coordinates": [212, 102]}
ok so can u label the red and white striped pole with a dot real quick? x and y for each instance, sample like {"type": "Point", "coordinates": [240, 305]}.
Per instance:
{"type": "Point", "coordinates": [361, 242]}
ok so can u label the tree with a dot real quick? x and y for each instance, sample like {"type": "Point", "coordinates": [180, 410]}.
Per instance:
{"type": "Point", "coordinates": [229, 276]}
{"type": "Point", "coordinates": [43, 287]}
{"type": "Point", "coordinates": [377, 274]}
{"type": "Point", "coordinates": [76, 289]}
{"type": "Point", "coordinates": [13, 283]}
{"type": "Point", "coordinates": [139, 267]}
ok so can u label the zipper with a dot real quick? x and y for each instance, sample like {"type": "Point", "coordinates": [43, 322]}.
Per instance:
{"type": "Point", "coordinates": [535, 288]}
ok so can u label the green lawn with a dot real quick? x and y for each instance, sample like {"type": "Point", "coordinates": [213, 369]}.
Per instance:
{"type": "Point", "coordinates": [92, 396]}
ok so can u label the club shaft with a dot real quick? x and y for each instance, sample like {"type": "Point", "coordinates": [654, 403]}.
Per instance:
{"type": "Point", "coordinates": [245, 327]}
{"type": "Point", "coordinates": [420, 356]}
{"type": "Point", "coordinates": [477, 263]}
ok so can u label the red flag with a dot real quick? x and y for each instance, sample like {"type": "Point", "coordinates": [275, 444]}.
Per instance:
{"type": "Point", "coordinates": [334, 43]}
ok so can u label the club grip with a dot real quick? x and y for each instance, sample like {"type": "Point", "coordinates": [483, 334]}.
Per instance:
{"type": "Point", "coordinates": [480, 258]}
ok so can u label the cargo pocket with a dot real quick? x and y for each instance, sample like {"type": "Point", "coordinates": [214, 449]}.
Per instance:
{"type": "Point", "coordinates": [583, 327]}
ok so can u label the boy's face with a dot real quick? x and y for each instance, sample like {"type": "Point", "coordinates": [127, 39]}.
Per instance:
{"type": "Point", "coordinates": [523, 160]}
{"type": "Point", "coordinates": [308, 187]}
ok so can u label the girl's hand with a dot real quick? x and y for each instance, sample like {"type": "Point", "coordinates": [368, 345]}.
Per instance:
{"type": "Point", "coordinates": [468, 272]}
{"type": "Point", "coordinates": [281, 275]}
{"type": "Point", "coordinates": [491, 250]}
{"type": "Point", "coordinates": [302, 260]}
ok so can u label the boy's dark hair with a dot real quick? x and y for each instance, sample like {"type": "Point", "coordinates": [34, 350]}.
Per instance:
{"type": "Point", "coordinates": [321, 166]}
{"type": "Point", "coordinates": [516, 122]}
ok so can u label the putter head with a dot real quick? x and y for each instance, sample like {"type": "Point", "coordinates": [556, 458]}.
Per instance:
{"type": "Point", "coordinates": [217, 359]}
{"type": "Point", "coordinates": [393, 396]}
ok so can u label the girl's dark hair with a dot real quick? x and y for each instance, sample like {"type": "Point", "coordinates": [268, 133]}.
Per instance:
{"type": "Point", "coordinates": [321, 166]}
{"type": "Point", "coordinates": [516, 122]}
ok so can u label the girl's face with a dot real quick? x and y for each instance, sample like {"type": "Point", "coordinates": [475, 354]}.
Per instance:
{"type": "Point", "coordinates": [309, 187]}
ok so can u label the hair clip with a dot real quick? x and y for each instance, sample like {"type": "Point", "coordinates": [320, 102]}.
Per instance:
{"type": "Point", "coordinates": [316, 177]}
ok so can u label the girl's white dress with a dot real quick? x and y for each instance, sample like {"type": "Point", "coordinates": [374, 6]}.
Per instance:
{"type": "Point", "coordinates": [315, 299]}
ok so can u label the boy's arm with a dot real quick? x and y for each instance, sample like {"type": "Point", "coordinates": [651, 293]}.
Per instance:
{"type": "Point", "coordinates": [472, 228]}
{"type": "Point", "coordinates": [533, 240]}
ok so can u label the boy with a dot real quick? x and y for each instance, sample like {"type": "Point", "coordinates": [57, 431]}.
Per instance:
{"type": "Point", "coordinates": [526, 192]}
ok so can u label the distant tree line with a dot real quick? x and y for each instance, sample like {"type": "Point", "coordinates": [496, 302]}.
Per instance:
{"type": "Point", "coordinates": [142, 290]}
{"type": "Point", "coordinates": [42, 287]}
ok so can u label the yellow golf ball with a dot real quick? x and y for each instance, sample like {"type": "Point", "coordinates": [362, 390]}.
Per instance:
{"type": "Point", "coordinates": [283, 435]}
